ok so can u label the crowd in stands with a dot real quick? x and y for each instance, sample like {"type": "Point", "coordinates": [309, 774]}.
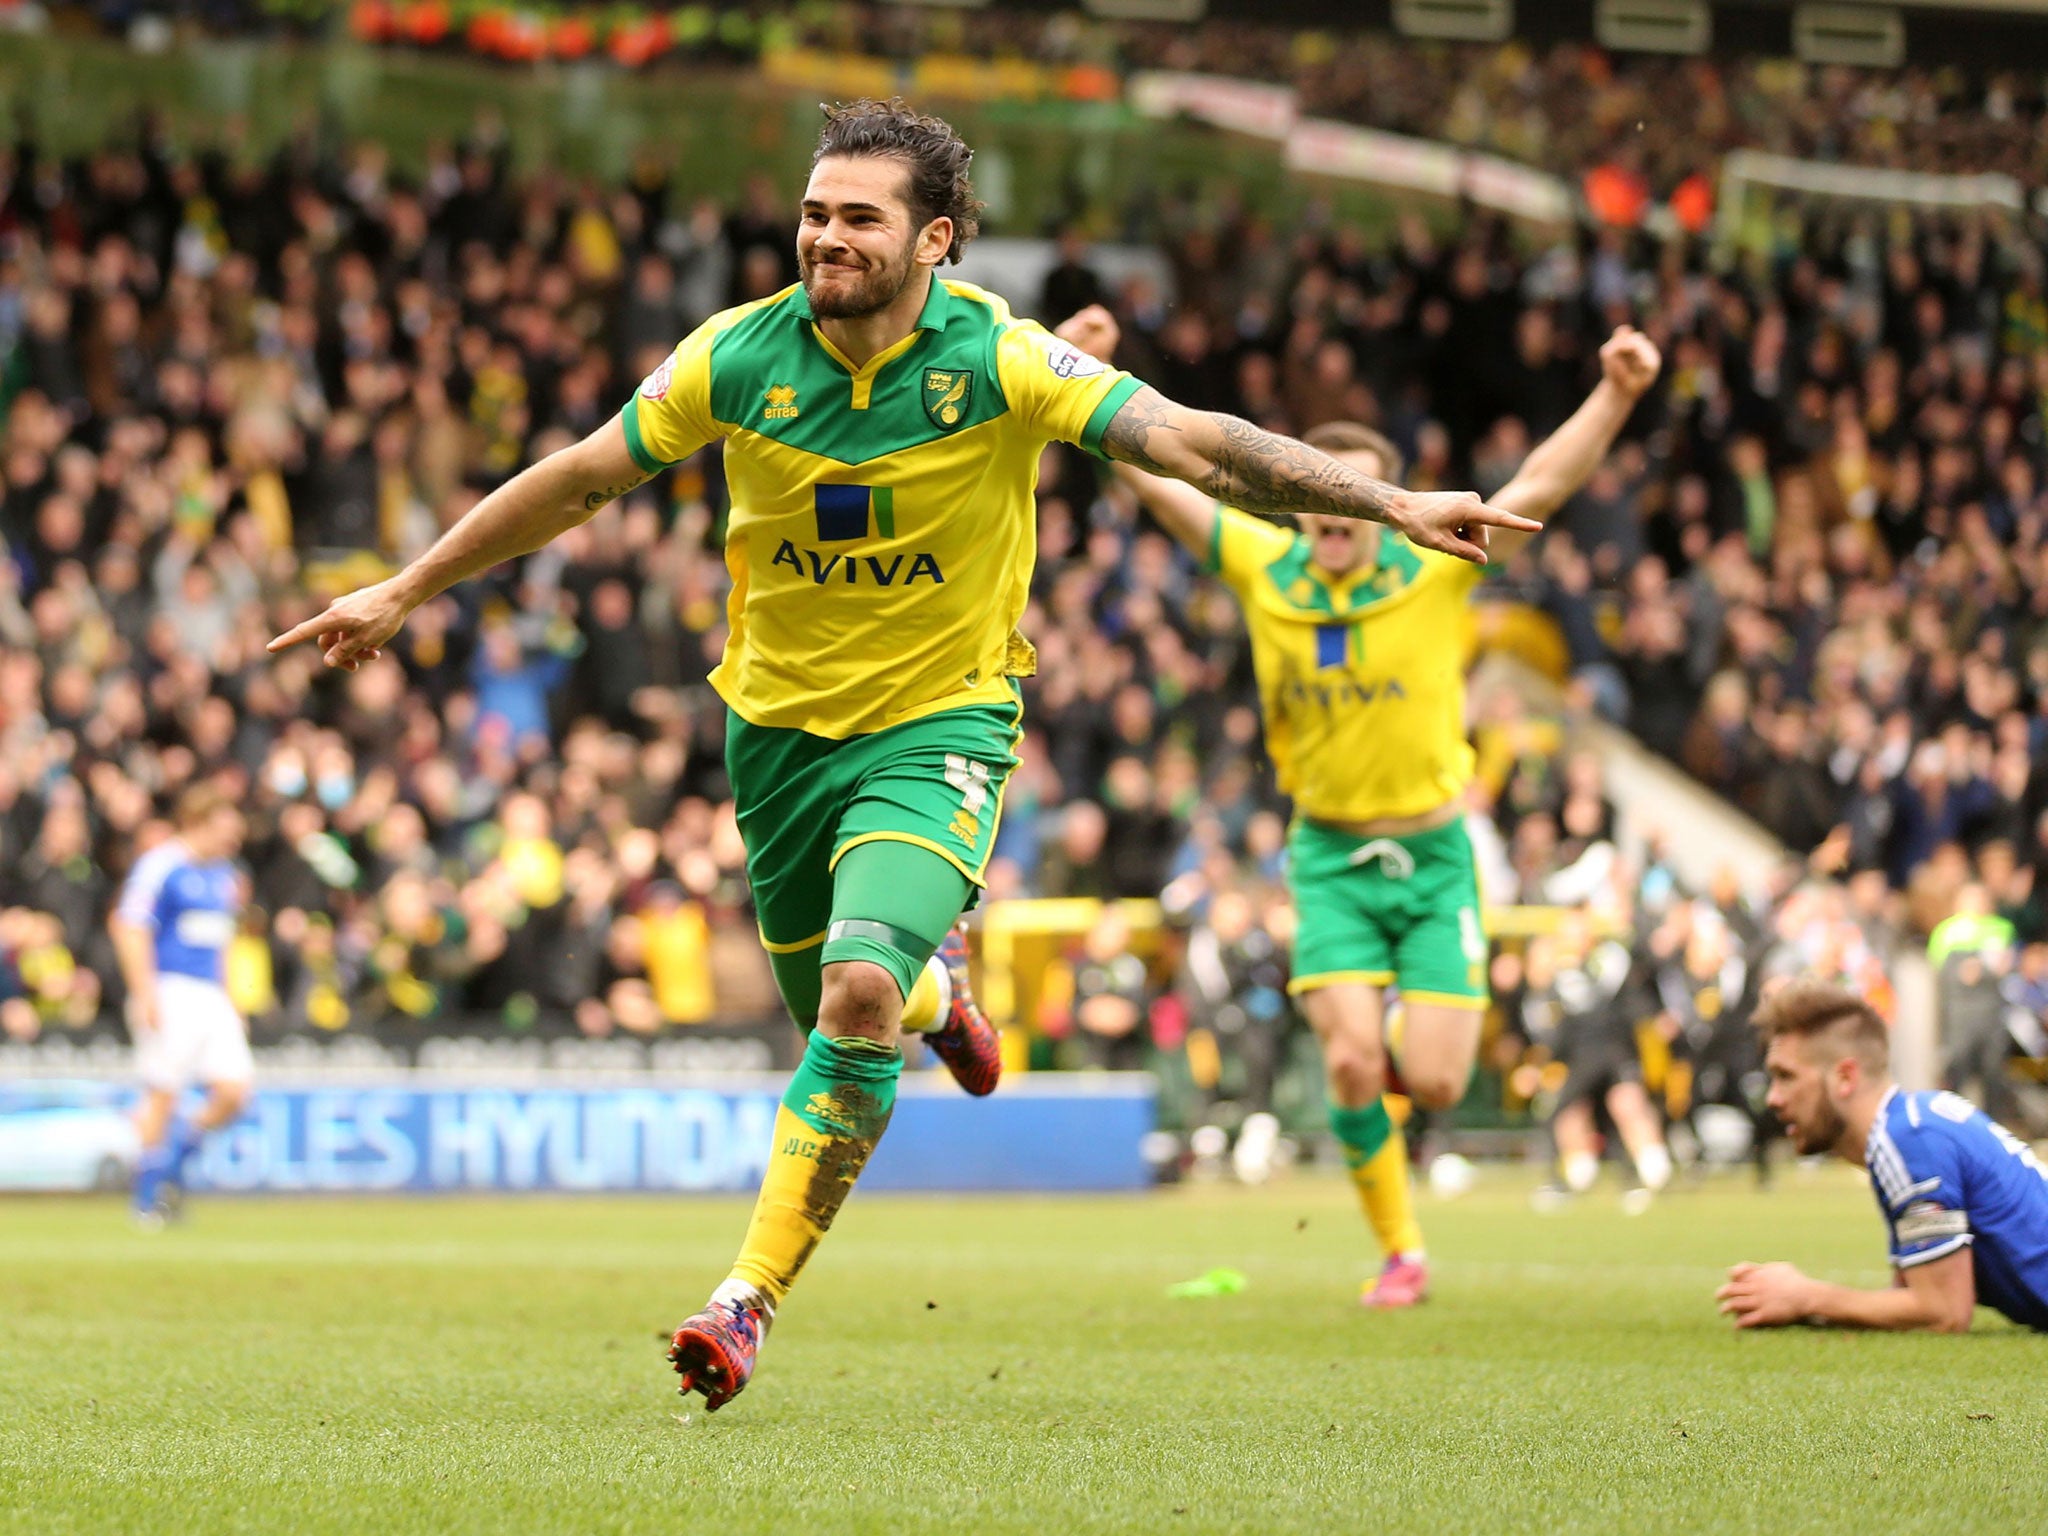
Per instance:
{"type": "Point", "coordinates": [1567, 107]}
{"type": "Point", "coordinates": [1812, 573]}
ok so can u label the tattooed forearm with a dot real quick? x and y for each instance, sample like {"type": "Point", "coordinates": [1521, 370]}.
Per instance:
{"type": "Point", "coordinates": [1263, 472]}
{"type": "Point", "coordinates": [611, 493]}
{"type": "Point", "coordinates": [1239, 463]}
{"type": "Point", "coordinates": [1133, 434]}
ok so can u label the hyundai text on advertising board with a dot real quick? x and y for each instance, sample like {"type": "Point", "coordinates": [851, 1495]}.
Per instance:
{"type": "Point", "coordinates": [1079, 1135]}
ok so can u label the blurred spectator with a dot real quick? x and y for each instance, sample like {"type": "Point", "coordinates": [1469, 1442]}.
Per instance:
{"type": "Point", "coordinates": [1235, 974]}
{"type": "Point", "coordinates": [1575, 1005]}
{"type": "Point", "coordinates": [1973, 953]}
{"type": "Point", "coordinates": [1072, 284]}
{"type": "Point", "coordinates": [1703, 985]}
{"type": "Point", "coordinates": [512, 688]}
{"type": "Point", "coordinates": [1110, 995]}
{"type": "Point", "coordinates": [2026, 998]}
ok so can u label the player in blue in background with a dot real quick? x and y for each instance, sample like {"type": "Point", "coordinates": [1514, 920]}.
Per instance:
{"type": "Point", "coordinates": [172, 927]}
{"type": "Point", "coordinates": [1965, 1200]}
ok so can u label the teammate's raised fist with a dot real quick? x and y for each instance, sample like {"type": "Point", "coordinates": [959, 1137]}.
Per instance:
{"type": "Point", "coordinates": [1094, 330]}
{"type": "Point", "coordinates": [1630, 360]}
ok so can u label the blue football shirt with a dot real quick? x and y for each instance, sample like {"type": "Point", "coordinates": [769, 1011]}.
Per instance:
{"type": "Point", "coordinates": [191, 907]}
{"type": "Point", "coordinates": [1948, 1177]}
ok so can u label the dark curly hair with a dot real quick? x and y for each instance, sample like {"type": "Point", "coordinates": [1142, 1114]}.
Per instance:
{"type": "Point", "coordinates": [928, 148]}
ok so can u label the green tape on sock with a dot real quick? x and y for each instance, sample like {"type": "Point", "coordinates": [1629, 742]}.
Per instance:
{"type": "Point", "coordinates": [1363, 1131]}
{"type": "Point", "coordinates": [844, 1087]}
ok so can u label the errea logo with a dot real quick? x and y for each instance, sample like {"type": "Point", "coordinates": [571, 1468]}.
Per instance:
{"type": "Point", "coordinates": [781, 404]}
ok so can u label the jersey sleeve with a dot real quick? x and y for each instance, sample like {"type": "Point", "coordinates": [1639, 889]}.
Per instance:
{"type": "Point", "coordinates": [669, 416]}
{"type": "Point", "coordinates": [1919, 1184]}
{"type": "Point", "coordinates": [1241, 546]}
{"type": "Point", "coordinates": [1462, 575]}
{"type": "Point", "coordinates": [1058, 391]}
{"type": "Point", "coordinates": [145, 884]}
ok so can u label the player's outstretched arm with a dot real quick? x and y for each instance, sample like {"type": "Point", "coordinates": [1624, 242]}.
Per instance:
{"type": "Point", "coordinates": [1565, 460]}
{"type": "Point", "coordinates": [1245, 466]}
{"type": "Point", "coordinates": [1186, 513]}
{"type": "Point", "coordinates": [1181, 510]}
{"type": "Point", "coordinates": [1940, 1296]}
{"type": "Point", "coordinates": [526, 512]}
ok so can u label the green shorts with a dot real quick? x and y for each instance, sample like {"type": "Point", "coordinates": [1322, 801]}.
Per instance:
{"type": "Point", "coordinates": [805, 801]}
{"type": "Point", "coordinates": [1388, 911]}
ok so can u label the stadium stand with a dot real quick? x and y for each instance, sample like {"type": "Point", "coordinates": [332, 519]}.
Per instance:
{"type": "Point", "coordinates": [1812, 574]}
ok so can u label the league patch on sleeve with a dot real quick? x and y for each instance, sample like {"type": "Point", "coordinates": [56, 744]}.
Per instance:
{"type": "Point", "coordinates": [1070, 362]}
{"type": "Point", "coordinates": [655, 386]}
{"type": "Point", "coordinates": [1925, 1222]}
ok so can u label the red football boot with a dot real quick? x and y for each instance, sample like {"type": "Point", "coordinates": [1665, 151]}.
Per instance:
{"type": "Point", "coordinates": [714, 1352]}
{"type": "Point", "coordinates": [967, 1043]}
{"type": "Point", "coordinates": [1403, 1282]}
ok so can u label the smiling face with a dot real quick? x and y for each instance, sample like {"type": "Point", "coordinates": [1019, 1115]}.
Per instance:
{"type": "Point", "coordinates": [859, 245]}
{"type": "Point", "coordinates": [1340, 545]}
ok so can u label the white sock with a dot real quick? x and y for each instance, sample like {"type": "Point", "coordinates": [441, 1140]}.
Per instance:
{"type": "Point", "coordinates": [1580, 1170]}
{"type": "Point", "coordinates": [746, 1295]}
{"type": "Point", "coordinates": [1653, 1163]}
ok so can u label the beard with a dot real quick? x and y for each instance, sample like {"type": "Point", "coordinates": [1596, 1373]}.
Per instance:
{"type": "Point", "coordinates": [1822, 1132]}
{"type": "Point", "coordinates": [853, 295]}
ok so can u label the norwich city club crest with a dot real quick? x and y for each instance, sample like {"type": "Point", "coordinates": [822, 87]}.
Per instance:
{"type": "Point", "coordinates": [946, 395]}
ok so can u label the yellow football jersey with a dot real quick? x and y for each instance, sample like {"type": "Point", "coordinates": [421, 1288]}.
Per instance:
{"type": "Point", "coordinates": [1362, 679]}
{"type": "Point", "coordinates": [882, 533]}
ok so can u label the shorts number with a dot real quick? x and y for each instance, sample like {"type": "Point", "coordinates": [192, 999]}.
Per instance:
{"type": "Point", "coordinates": [971, 779]}
{"type": "Point", "coordinates": [1469, 936]}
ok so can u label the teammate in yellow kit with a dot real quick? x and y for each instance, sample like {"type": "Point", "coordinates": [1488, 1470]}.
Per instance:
{"type": "Point", "coordinates": [883, 430]}
{"type": "Point", "coordinates": [1355, 642]}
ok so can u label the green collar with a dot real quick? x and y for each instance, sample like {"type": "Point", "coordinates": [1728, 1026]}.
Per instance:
{"type": "Point", "coordinates": [938, 305]}
{"type": "Point", "coordinates": [1295, 575]}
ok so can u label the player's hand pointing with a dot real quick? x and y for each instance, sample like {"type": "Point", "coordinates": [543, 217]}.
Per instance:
{"type": "Point", "coordinates": [353, 629]}
{"type": "Point", "coordinates": [1630, 361]}
{"type": "Point", "coordinates": [1454, 522]}
{"type": "Point", "coordinates": [1093, 329]}
{"type": "Point", "coordinates": [1765, 1295]}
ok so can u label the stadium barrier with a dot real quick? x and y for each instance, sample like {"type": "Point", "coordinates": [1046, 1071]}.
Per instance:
{"type": "Point", "coordinates": [653, 1134]}
{"type": "Point", "coordinates": [1036, 128]}
{"type": "Point", "coordinates": [1754, 185]}
{"type": "Point", "coordinates": [698, 1135]}
{"type": "Point", "coordinates": [470, 1047]}
{"type": "Point", "coordinates": [1344, 151]}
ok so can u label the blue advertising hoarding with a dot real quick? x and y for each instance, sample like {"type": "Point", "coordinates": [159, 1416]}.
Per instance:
{"type": "Point", "coordinates": [1050, 1132]}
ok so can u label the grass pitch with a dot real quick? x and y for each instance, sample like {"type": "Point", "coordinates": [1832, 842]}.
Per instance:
{"type": "Point", "coordinates": [988, 1365]}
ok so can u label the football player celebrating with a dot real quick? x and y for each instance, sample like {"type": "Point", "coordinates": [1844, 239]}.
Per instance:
{"type": "Point", "coordinates": [1357, 641]}
{"type": "Point", "coordinates": [882, 433]}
